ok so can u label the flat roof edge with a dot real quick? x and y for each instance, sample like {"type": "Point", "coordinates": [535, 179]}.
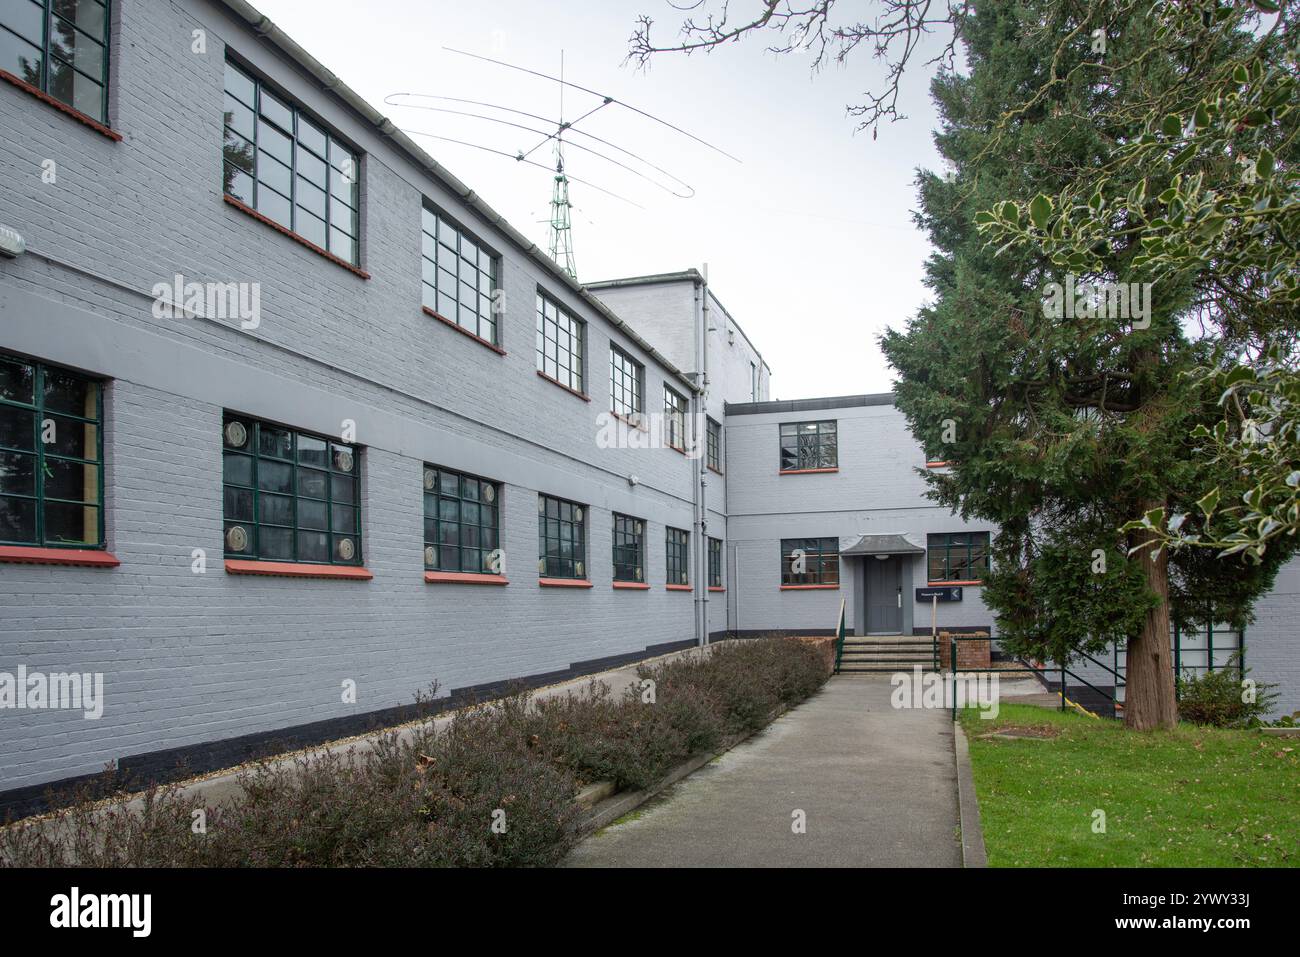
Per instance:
{"type": "Point", "coordinates": [809, 405]}
{"type": "Point", "coordinates": [655, 279]}
{"type": "Point", "coordinates": [264, 27]}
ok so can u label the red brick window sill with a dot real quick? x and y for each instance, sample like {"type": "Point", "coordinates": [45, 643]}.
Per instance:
{"type": "Point", "coordinates": [62, 107]}
{"type": "Point", "coordinates": [639, 586]}
{"type": "Point", "coordinates": [636, 421]}
{"type": "Point", "coordinates": [296, 570]}
{"type": "Point", "coordinates": [464, 578]}
{"type": "Point", "coordinates": [564, 583]}
{"type": "Point", "coordinates": [937, 465]}
{"type": "Point", "coordinates": [718, 471]}
{"type": "Point", "coordinates": [680, 587]}
{"type": "Point", "coordinates": [973, 581]}
{"type": "Point", "coordinates": [810, 588]}
{"type": "Point", "coordinates": [463, 331]}
{"type": "Point", "coordinates": [806, 471]}
{"type": "Point", "coordinates": [337, 260]}
{"type": "Point", "coordinates": [88, 557]}
{"type": "Point", "coordinates": [717, 588]}
{"type": "Point", "coordinates": [581, 395]}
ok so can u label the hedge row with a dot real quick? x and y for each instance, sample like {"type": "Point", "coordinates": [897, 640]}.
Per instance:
{"type": "Point", "coordinates": [493, 786]}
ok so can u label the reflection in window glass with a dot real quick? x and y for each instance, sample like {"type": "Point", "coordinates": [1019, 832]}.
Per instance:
{"type": "Point", "coordinates": [288, 167]}
{"type": "Point", "coordinates": [51, 457]}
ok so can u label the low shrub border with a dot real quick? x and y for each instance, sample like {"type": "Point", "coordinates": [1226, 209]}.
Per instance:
{"type": "Point", "coordinates": [496, 785]}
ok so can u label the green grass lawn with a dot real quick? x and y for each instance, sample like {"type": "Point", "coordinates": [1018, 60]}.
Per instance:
{"type": "Point", "coordinates": [1191, 797]}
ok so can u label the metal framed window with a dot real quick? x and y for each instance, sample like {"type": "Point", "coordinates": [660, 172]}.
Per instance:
{"type": "Point", "coordinates": [674, 419]}
{"type": "Point", "coordinates": [562, 538]}
{"type": "Point", "coordinates": [713, 445]}
{"type": "Point", "coordinates": [560, 343]}
{"type": "Point", "coordinates": [809, 445]}
{"type": "Point", "coordinates": [61, 48]}
{"type": "Point", "coordinates": [715, 562]}
{"type": "Point", "coordinates": [810, 561]}
{"type": "Point", "coordinates": [460, 274]}
{"type": "Point", "coordinates": [629, 549]}
{"type": "Point", "coordinates": [51, 456]}
{"type": "Point", "coordinates": [1207, 646]}
{"type": "Point", "coordinates": [288, 167]}
{"type": "Point", "coordinates": [462, 522]}
{"type": "Point", "coordinates": [679, 557]}
{"type": "Point", "coordinates": [626, 384]}
{"type": "Point", "coordinates": [753, 382]}
{"type": "Point", "coordinates": [958, 556]}
{"type": "Point", "coordinates": [290, 496]}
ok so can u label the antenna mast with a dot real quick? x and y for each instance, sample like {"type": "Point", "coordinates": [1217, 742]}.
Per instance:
{"type": "Point", "coordinates": [561, 221]}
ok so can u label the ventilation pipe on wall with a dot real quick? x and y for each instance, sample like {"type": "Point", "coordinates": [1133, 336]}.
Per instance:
{"type": "Point", "coordinates": [698, 398]}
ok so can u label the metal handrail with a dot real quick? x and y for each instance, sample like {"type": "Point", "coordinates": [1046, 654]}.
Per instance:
{"type": "Point", "coordinates": [1064, 672]}
{"type": "Point", "coordinates": [1119, 679]}
{"type": "Point", "coordinates": [839, 637]}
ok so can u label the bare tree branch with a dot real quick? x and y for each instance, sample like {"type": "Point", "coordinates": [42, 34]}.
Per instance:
{"type": "Point", "coordinates": [893, 37]}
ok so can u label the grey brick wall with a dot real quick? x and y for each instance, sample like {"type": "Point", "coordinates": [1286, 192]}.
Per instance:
{"type": "Point", "coordinates": [875, 492]}
{"type": "Point", "coordinates": [195, 658]}
{"type": "Point", "coordinates": [1272, 644]}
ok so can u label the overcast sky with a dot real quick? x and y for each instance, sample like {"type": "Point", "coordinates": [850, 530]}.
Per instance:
{"type": "Point", "coordinates": [808, 240]}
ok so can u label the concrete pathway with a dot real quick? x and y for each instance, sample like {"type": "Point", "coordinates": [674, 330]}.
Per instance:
{"type": "Point", "coordinates": [878, 787]}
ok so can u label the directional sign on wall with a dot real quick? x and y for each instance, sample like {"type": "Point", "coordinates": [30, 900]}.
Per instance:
{"type": "Point", "coordinates": [943, 593]}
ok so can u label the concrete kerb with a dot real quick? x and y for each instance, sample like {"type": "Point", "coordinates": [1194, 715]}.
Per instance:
{"type": "Point", "coordinates": [973, 853]}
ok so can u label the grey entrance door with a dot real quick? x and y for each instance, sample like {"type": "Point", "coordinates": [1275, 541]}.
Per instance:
{"type": "Point", "coordinates": [884, 595]}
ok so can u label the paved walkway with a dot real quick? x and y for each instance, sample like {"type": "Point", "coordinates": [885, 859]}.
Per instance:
{"type": "Point", "coordinates": [878, 787]}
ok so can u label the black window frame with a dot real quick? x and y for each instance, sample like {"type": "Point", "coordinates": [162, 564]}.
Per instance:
{"type": "Point", "coordinates": [471, 492]}
{"type": "Point", "coordinates": [713, 444]}
{"type": "Point", "coordinates": [974, 551]}
{"type": "Point", "coordinates": [47, 81]}
{"type": "Point", "coordinates": [801, 450]}
{"type": "Point", "coordinates": [41, 414]}
{"type": "Point", "coordinates": [628, 557]}
{"type": "Point", "coordinates": [821, 555]}
{"type": "Point", "coordinates": [576, 343]}
{"type": "Point", "coordinates": [677, 554]}
{"type": "Point", "coordinates": [626, 375]}
{"type": "Point", "coordinates": [434, 299]}
{"type": "Point", "coordinates": [715, 562]}
{"type": "Point", "coordinates": [676, 410]}
{"type": "Point", "coordinates": [252, 448]}
{"type": "Point", "coordinates": [337, 154]}
{"type": "Point", "coordinates": [573, 567]}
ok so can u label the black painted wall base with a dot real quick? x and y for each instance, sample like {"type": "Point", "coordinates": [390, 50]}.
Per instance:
{"type": "Point", "coordinates": [138, 771]}
{"type": "Point", "coordinates": [770, 633]}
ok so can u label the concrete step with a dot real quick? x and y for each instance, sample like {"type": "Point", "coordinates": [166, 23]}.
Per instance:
{"type": "Point", "coordinates": [897, 643]}
{"type": "Point", "coordinates": [904, 655]}
{"type": "Point", "coordinates": [886, 655]}
{"type": "Point", "coordinates": [887, 639]}
{"type": "Point", "coordinates": [863, 643]}
{"type": "Point", "coordinates": [876, 669]}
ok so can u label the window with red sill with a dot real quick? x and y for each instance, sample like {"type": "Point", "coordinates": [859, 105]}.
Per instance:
{"type": "Point", "coordinates": [61, 49]}
{"type": "Point", "coordinates": [51, 457]}
{"type": "Point", "coordinates": [289, 496]}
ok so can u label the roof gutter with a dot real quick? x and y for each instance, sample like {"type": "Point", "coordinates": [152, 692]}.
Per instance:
{"type": "Point", "coordinates": [263, 26]}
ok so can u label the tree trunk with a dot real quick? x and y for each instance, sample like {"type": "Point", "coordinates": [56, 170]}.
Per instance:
{"type": "Point", "coordinates": [1149, 700]}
